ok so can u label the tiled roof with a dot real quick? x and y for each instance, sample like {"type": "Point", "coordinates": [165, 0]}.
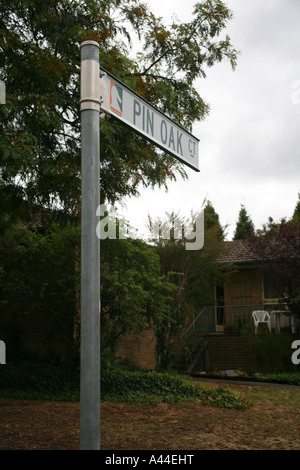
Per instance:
{"type": "Point", "coordinates": [236, 252]}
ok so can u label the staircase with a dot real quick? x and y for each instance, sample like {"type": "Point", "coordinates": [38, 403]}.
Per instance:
{"type": "Point", "coordinates": [193, 353]}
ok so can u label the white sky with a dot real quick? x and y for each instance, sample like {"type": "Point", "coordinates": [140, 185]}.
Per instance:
{"type": "Point", "coordinates": [249, 144]}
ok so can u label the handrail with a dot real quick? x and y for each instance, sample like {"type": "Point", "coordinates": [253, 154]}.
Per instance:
{"type": "Point", "coordinates": [238, 317]}
{"type": "Point", "coordinates": [194, 321]}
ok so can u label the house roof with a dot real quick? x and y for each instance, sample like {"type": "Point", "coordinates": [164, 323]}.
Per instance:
{"type": "Point", "coordinates": [236, 252]}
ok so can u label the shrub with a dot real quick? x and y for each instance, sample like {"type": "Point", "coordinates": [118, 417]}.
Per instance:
{"type": "Point", "coordinates": [56, 379]}
{"type": "Point", "coordinates": [291, 378]}
{"type": "Point", "coordinates": [121, 385]}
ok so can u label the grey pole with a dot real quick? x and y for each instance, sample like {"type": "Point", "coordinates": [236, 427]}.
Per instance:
{"type": "Point", "coordinates": [90, 249]}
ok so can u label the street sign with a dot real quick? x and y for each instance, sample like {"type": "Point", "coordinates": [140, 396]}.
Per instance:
{"type": "Point", "coordinates": [100, 93]}
{"type": "Point", "coordinates": [127, 106]}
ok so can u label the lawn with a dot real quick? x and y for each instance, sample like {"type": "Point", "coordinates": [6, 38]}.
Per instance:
{"type": "Point", "coordinates": [271, 423]}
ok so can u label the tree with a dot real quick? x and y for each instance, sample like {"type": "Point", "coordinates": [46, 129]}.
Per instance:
{"type": "Point", "coordinates": [194, 272]}
{"type": "Point", "coordinates": [277, 250]}
{"type": "Point", "coordinates": [39, 62]}
{"type": "Point", "coordinates": [212, 221]}
{"type": "Point", "coordinates": [134, 292]}
{"type": "Point", "coordinates": [244, 225]}
{"type": "Point", "coordinates": [39, 275]}
{"type": "Point", "coordinates": [296, 214]}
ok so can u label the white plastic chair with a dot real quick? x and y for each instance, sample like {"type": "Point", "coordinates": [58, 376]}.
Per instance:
{"type": "Point", "coordinates": [261, 316]}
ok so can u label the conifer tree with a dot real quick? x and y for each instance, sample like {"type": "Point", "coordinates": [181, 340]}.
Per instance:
{"type": "Point", "coordinates": [296, 214]}
{"type": "Point", "coordinates": [244, 225]}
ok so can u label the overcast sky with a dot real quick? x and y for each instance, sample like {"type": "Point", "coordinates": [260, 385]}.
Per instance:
{"type": "Point", "coordinates": [249, 144]}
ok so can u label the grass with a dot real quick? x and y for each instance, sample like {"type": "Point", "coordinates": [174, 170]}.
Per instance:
{"type": "Point", "coordinates": [272, 423]}
{"type": "Point", "coordinates": [273, 397]}
{"type": "Point", "coordinates": [290, 378]}
{"type": "Point", "coordinates": [165, 411]}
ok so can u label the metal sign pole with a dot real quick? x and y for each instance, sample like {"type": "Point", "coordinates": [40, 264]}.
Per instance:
{"type": "Point", "coordinates": [2, 93]}
{"type": "Point", "coordinates": [90, 249]}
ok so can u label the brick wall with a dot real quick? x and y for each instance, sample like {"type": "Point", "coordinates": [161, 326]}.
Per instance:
{"type": "Point", "coordinates": [141, 352]}
{"type": "Point", "coordinates": [252, 353]}
{"type": "Point", "coordinates": [35, 334]}
{"type": "Point", "coordinates": [230, 352]}
{"type": "Point", "coordinates": [244, 283]}
{"type": "Point", "coordinates": [244, 287]}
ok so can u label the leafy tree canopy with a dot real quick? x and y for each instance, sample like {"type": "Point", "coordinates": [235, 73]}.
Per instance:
{"type": "Point", "coordinates": [134, 292]}
{"type": "Point", "coordinates": [40, 64]}
{"type": "Point", "coordinates": [38, 275]}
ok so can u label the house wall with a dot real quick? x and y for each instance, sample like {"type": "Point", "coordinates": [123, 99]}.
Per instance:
{"type": "Point", "coordinates": [243, 288]}
{"type": "Point", "coordinates": [35, 334]}
{"type": "Point", "coordinates": [252, 353]}
{"type": "Point", "coordinates": [142, 351]}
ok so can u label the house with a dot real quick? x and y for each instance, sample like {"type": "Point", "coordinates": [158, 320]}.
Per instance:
{"type": "Point", "coordinates": [246, 290]}
{"type": "Point", "coordinates": [222, 336]}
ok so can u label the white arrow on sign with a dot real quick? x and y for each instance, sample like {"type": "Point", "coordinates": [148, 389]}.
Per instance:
{"type": "Point", "coordinates": [120, 101]}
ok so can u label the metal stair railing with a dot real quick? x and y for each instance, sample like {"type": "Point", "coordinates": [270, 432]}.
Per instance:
{"type": "Point", "coordinates": [194, 337]}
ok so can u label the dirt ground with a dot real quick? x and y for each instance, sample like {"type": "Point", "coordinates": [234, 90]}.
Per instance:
{"type": "Point", "coordinates": [273, 423]}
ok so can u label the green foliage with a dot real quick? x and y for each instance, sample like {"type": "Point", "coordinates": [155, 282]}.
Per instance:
{"type": "Point", "coordinates": [39, 378]}
{"type": "Point", "coordinates": [291, 378]}
{"type": "Point", "coordinates": [194, 272]}
{"type": "Point", "coordinates": [40, 64]}
{"type": "Point", "coordinates": [277, 251]}
{"type": "Point", "coordinates": [244, 225]}
{"type": "Point", "coordinates": [39, 275]}
{"type": "Point", "coordinates": [121, 385]}
{"type": "Point", "coordinates": [58, 380]}
{"type": "Point", "coordinates": [272, 353]}
{"type": "Point", "coordinates": [134, 292]}
{"type": "Point", "coordinates": [212, 222]}
{"type": "Point", "coordinates": [296, 213]}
